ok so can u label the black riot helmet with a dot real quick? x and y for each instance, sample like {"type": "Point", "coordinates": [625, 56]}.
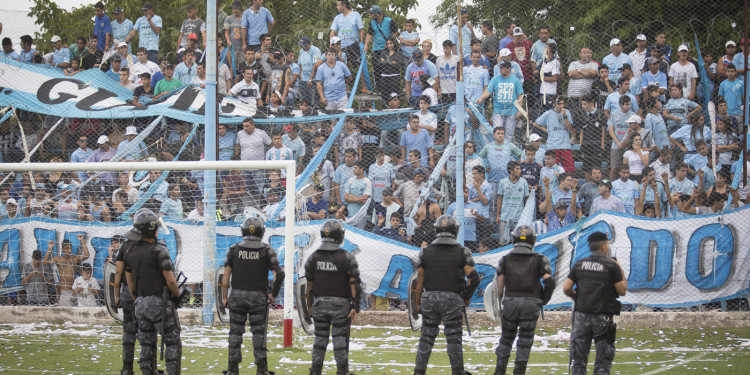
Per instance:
{"type": "Point", "coordinates": [331, 235]}
{"type": "Point", "coordinates": [446, 226]}
{"type": "Point", "coordinates": [524, 236]}
{"type": "Point", "coordinates": [253, 227]}
{"type": "Point", "coordinates": [146, 223]}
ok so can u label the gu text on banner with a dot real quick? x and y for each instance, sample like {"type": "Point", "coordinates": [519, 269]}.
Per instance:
{"type": "Point", "coordinates": [668, 263]}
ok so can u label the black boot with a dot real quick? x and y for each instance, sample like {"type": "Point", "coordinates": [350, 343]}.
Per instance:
{"type": "Point", "coordinates": [520, 368]}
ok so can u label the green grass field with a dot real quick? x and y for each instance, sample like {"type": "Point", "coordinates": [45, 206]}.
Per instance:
{"type": "Point", "coordinates": [80, 349]}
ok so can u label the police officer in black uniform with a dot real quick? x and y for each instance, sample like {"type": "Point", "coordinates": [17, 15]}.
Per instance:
{"type": "Point", "coordinates": [599, 280]}
{"type": "Point", "coordinates": [442, 270]}
{"type": "Point", "coordinates": [148, 269]}
{"type": "Point", "coordinates": [124, 300]}
{"type": "Point", "coordinates": [248, 263]}
{"type": "Point", "coordinates": [334, 296]}
{"type": "Point", "coordinates": [518, 279]}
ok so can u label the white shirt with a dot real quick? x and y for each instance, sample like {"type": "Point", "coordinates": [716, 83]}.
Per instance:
{"type": "Point", "coordinates": [246, 92]}
{"type": "Point", "coordinates": [683, 74]}
{"type": "Point", "coordinates": [137, 69]}
{"type": "Point", "coordinates": [638, 59]}
{"type": "Point", "coordinates": [551, 68]}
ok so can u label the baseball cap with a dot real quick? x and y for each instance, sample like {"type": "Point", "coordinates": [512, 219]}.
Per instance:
{"type": "Point", "coordinates": [304, 41]}
{"type": "Point", "coordinates": [561, 203]}
{"type": "Point", "coordinates": [614, 41]}
{"type": "Point", "coordinates": [147, 6]}
{"type": "Point", "coordinates": [634, 118]}
{"type": "Point", "coordinates": [117, 10]}
{"type": "Point", "coordinates": [505, 64]}
{"type": "Point", "coordinates": [394, 95]}
{"type": "Point", "coordinates": [11, 201]}
{"type": "Point", "coordinates": [463, 11]}
{"type": "Point", "coordinates": [376, 10]}
{"type": "Point", "coordinates": [652, 60]}
{"type": "Point", "coordinates": [504, 52]}
{"type": "Point", "coordinates": [335, 40]}
{"type": "Point", "coordinates": [55, 39]}
{"type": "Point", "coordinates": [534, 138]}
{"type": "Point", "coordinates": [683, 47]}
{"type": "Point", "coordinates": [730, 43]}
{"type": "Point", "coordinates": [118, 237]}
{"type": "Point", "coordinates": [626, 66]}
{"type": "Point", "coordinates": [193, 36]}
{"type": "Point", "coordinates": [102, 140]}
{"type": "Point", "coordinates": [640, 37]}
{"type": "Point", "coordinates": [122, 44]}
{"type": "Point", "coordinates": [606, 183]}
{"type": "Point", "coordinates": [169, 66]}
{"type": "Point", "coordinates": [447, 43]}
{"type": "Point", "coordinates": [416, 54]}
{"type": "Point", "coordinates": [237, 4]}
{"type": "Point", "coordinates": [420, 171]}
{"type": "Point", "coordinates": [131, 130]}
{"type": "Point", "coordinates": [388, 191]}
{"type": "Point", "coordinates": [517, 31]}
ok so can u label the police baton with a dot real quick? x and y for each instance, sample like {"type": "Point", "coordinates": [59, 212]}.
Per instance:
{"type": "Point", "coordinates": [572, 323]}
{"type": "Point", "coordinates": [468, 327]}
{"type": "Point", "coordinates": [164, 297]}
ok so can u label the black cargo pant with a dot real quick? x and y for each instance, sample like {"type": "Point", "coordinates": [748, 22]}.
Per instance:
{"type": "Point", "coordinates": [148, 313]}
{"type": "Point", "coordinates": [252, 306]}
{"type": "Point", "coordinates": [448, 308]}
{"type": "Point", "coordinates": [330, 312]}
{"type": "Point", "coordinates": [520, 315]}
{"type": "Point", "coordinates": [586, 327]}
{"type": "Point", "coordinates": [129, 327]}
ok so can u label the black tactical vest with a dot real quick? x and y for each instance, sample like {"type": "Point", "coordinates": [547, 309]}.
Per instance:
{"type": "Point", "coordinates": [124, 248]}
{"type": "Point", "coordinates": [522, 277]}
{"type": "Point", "coordinates": [443, 268]}
{"type": "Point", "coordinates": [143, 260]}
{"type": "Point", "coordinates": [596, 291]}
{"type": "Point", "coordinates": [249, 267]}
{"type": "Point", "coordinates": [331, 274]}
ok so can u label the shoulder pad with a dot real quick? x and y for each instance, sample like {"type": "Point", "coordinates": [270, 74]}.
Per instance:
{"type": "Point", "coordinates": [445, 240]}
{"type": "Point", "coordinates": [522, 250]}
{"type": "Point", "coordinates": [469, 257]}
{"type": "Point", "coordinates": [546, 264]}
{"type": "Point", "coordinates": [133, 236]}
{"type": "Point", "coordinates": [251, 244]}
{"type": "Point", "coordinates": [351, 262]}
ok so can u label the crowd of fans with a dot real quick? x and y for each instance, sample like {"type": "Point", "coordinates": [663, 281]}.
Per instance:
{"type": "Point", "coordinates": [624, 132]}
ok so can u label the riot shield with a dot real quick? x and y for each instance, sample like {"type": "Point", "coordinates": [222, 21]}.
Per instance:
{"type": "Point", "coordinates": [492, 304]}
{"type": "Point", "coordinates": [221, 312]}
{"type": "Point", "coordinates": [109, 291]}
{"type": "Point", "coordinates": [301, 300]}
{"type": "Point", "coordinates": [415, 318]}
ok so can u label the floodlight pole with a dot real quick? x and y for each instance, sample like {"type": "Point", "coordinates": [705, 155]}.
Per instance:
{"type": "Point", "coordinates": [209, 176]}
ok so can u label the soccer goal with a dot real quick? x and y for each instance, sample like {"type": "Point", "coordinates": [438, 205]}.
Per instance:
{"type": "Point", "coordinates": [72, 224]}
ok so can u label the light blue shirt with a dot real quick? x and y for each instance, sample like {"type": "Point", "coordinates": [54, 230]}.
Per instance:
{"type": "Point", "coordinates": [513, 195]}
{"type": "Point", "coordinates": [615, 63]}
{"type": "Point", "coordinates": [378, 39]}
{"type": "Point", "coordinates": [486, 189]}
{"type": "Point", "coordinates": [551, 174]}
{"type": "Point", "coordinates": [60, 56]}
{"type": "Point", "coordinates": [13, 55]}
{"type": "Point", "coordinates": [412, 74]}
{"type": "Point", "coordinates": [358, 187]}
{"type": "Point", "coordinates": [138, 152]}
{"type": "Point", "coordinates": [183, 73]}
{"type": "Point", "coordinates": [685, 187]}
{"type": "Point", "coordinates": [497, 157]}
{"type": "Point", "coordinates": [420, 141]}
{"type": "Point", "coordinates": [226, 145]}
{"type": "Point", "coordinates": [619, 122]}
{"type": "Point", "coordinates": [171, 208]}
{"type": "Point", "coordinates": [465, 37]}
{"type": "Point", "coordinates": [655, 124]}
{"type": "Point", "coordinates": [347, 28]}
{"type": "Point", "coordinates": [708, 178]}
{"type": "Point", "coordinates": [381, 177]}
{"type": "Point", "coordinates": [537, 50]}
{"type": "Point", "coordinates": [684, 135]}
{"type": "Point", "coordinates": [660, 78]}
{"type": "Point", "coordinates": [146, 37]}
{"type": "Point", "coordinates": [627, 192]}
{"type": "Point", "coordinates": [680, 109]}
{"type": "Point", "coordinates": [120, 31]}
{"type": "Point", "coordinates": [341, 176]}
{"type": "Point", "coordinates": [407, 50]}
{"type": "Point", "coordinates": [739, 63]}
{"type": "Point", "coordinates": [515, 71]}
{"type": "Point", "coordinates": [558, 137]}
{"type": "Point", "coordinates": [334, 84]}
{"type": "Point", "coordinates": [613, 102]}
{"type": "Point", "coordinates": [161, 191]}
{"type": "Point", "coordinates": [696, 161]}
{"type": "Point", "coordinates": [297, 146]}
{"type": "Point", "coordinates": [306, 61]}
{"type": "Point", "coordinates": [27, 57]}
{"type": "Point", "coordinates": [476, 80]}
{"type": "Point", "coordinates": [732, 92]}
{"type": "Point", "coordinates": [635, 87]}
{"type": "Point", "coordinates": [256, 24]}
{"type": "Point", "coordinates": [80, 156]}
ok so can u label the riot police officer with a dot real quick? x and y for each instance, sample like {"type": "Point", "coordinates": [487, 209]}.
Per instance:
{"type": "Point", "coordinates": [248, 263]}
{"type": "Point", "coordinates": [334, 296]}
{"type": "Point", "coordinates": [442, 270]}
{"type": "Point", "coordinates": [518, 279]}
{"type": "Point", "coordinates": [124, 299]}
{"type": "Point", "coordinates": [148, 269]}
{"type": "Point", "coordinates": [599, 282]}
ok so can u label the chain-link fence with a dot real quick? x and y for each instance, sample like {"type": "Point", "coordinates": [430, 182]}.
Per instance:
{"type": "Point", "coordinates": [580, 106]}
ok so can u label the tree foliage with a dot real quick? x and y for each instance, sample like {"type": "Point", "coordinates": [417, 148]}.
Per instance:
{"type": "Point", "coordinates": [293, 18]}
{"type": "Point", "coordinates": [594, 22]}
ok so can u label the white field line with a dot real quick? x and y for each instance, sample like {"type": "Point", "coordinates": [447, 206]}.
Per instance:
{"type": "Point", "coordinates": [678, 362]}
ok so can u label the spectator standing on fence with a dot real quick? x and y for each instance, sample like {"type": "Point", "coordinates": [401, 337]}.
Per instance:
{"type": "Point", "coordinates": [558, 125]}
{"type": "Point", "coordinates": [36, 280]}
{"type": "Point", "coordinates": [86, 288]}
{"type": "Point", "coordinates": [511, 194]}
{"type": "Point", "coordinates": [348, 26]}
{"type": "Point", "coordinates": [447, 65]}
{"type": "Point", "coordinates": [409, 40]}
{"type": "Point", "coordinates": [476, 78]}
{"type": "Point", "coordinates": [102, 28]}
{"type": "Point", "coordinates": [27, 54]}
{"type": "Point", "coordinates": [191, 25]}
{"type": "Point", "coordinates": [331, 78]}
{"type": "Point", "coordinates": [250, 145]}
{"type": "Point", "coordinates": [467, 34]}
{"type": "Point", "coordinates": [60, 54]}
{"type": "Point", "coordinates": [8, 52]}
{"type": "Point", "coordinates": [599, 282]}
{"type": "Point", "coordinates": [120, 28]}
{"type": "Point", "coordinates": [638, 56]}
{"type": "Point", "coordinates": [66, 264]}
{"type": "Point", "coordinates": [615, 59]}
{"type": "Point", "coordinates": [731, 91]}
{"type": "Point", "coordinates": [413, 86]}
{"type": "Point", "coordinates": [309, 57]}
{"type": "Point", "coordinates": [232, 27]}
{"type": "Point", "coordinates": [256, 20]}
{"type": "Point", "coordinates": [149, 28]}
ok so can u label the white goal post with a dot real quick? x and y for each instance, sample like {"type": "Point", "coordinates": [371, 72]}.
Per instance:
{"type": "Point", "coordinates": [209, 265]}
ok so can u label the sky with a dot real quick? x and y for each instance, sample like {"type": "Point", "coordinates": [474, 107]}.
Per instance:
{"type": "Point", "coordinates": [15, 22]}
